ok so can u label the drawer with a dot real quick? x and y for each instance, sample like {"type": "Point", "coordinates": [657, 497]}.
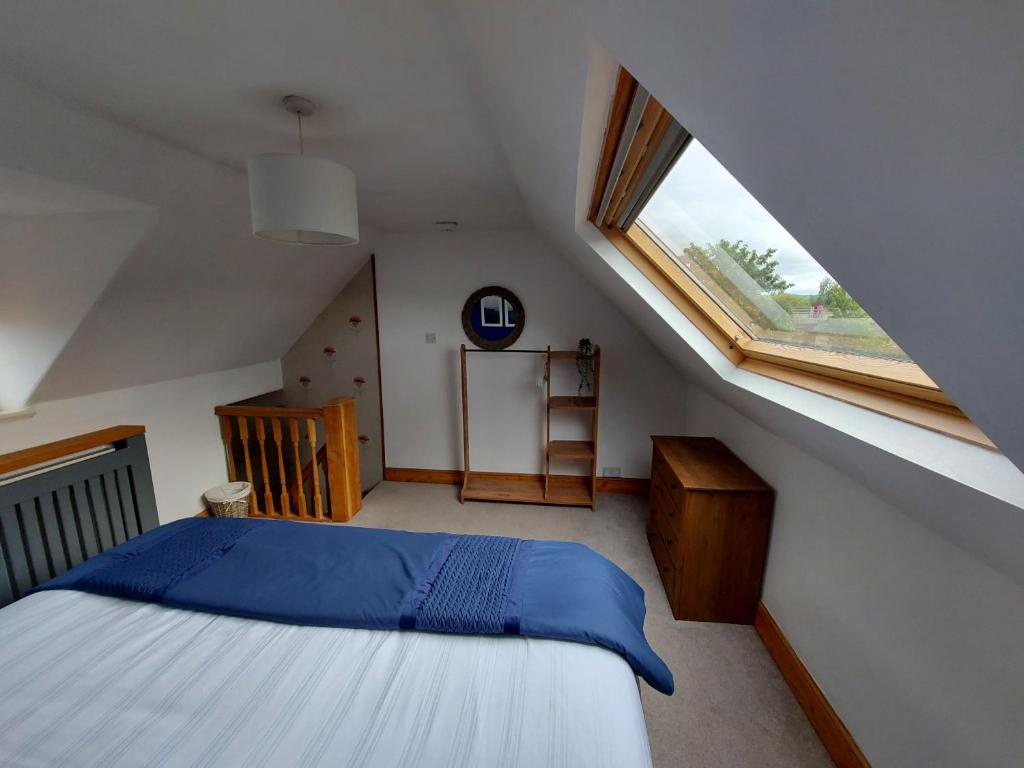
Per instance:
{"type": "Point", "coordinates": [663, 506]}
{"type": "Point", "coordinates": [666, 569]}
{"type": "Point", "coordinates": [669, 539]}
{"type": "Point", "coordinates": [660, 468]}
{"type": "Point", "coordinates": [659, 491]}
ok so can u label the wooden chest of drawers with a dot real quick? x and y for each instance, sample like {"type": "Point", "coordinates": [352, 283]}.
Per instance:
{"type": "Point", "coordinates": [708, 528]}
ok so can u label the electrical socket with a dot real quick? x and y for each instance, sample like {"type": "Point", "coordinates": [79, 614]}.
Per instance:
{"type": "Point", "coordinates": [431, 338]}
{"type": "Point", "coordinates": [611, 472]}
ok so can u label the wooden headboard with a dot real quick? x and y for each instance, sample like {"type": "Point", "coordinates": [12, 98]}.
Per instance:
{"type": "Point", "coordinates": [64, 502]}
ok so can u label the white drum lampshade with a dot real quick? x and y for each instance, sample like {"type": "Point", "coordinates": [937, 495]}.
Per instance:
{"type": "Point", "coordinates": [303, 200]}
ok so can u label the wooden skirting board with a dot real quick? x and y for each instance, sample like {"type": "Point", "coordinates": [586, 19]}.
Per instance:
{"type": "Point", "coordinates": [633, 485]}
{"type": "Point", "coordinates": [442, 476]}
{"type": "Point", "coordinates": [636, 486]}
{"type": "Point", "coordinates": [833, 734]}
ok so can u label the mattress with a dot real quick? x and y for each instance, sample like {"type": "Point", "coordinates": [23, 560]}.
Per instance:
{"type": "Point", "coordinates": [87, 680]}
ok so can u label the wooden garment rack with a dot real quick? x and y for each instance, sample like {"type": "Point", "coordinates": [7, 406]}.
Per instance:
{"type": "Point", "coordinates": [561, 490]}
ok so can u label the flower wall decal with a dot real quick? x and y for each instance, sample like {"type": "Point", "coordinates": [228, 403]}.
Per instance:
{"type": "Point", "coordinates": [364, 439]}
{"type": "Point", "coordinates": [305, 381]}
{"type": "Point", "coordinates": [359, 381]}
{"type": "Point", "coordinates": [329, 353]}
{"type": "Point", "coordinates": [355, 321]}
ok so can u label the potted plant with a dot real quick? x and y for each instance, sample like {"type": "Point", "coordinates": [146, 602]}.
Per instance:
{"type": "Point", "coordinates": [585, 366]}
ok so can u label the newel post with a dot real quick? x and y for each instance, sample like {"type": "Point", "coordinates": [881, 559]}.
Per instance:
{"type": "Point", "coordinates": [342, 468]}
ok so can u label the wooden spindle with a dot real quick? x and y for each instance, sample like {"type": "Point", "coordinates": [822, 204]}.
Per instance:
{"type": "Point", "coordinates": [275, 424]}
{"type": "Point", "coordinates": [293, 425]}
{"type": "Point", "coordinates": [261, 438]}
{"type": "Point", "coordinates": [243, 434]}
{"type": "Point", "coordinates": [318, 503]}
{"type": "Point", "coordinates": [225, 433]}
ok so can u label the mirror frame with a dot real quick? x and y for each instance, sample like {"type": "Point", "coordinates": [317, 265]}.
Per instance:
{"type": "Point", "coordinates": [467, 323]}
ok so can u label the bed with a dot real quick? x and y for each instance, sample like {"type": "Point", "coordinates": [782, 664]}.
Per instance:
{"type": "Point", "coordinates": [96, 679]}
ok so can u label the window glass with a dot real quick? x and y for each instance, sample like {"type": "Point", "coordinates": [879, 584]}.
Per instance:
{"type": "Point", "coordinates": [718, 233]}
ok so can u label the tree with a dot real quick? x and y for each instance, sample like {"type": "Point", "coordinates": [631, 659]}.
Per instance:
{"type": "Point", "coordinates": [841, 304]}
{"type": "Point", "coordinates": [760, 266]}
{"type": "Point", "coordinates": [715, 260]}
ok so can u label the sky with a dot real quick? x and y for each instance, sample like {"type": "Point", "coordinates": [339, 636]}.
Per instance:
{"type": "Point", "coordinates": [700, 202]}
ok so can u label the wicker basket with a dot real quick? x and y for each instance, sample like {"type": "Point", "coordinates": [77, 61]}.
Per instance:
{"type": "Point", "coordinates": [230, 500]}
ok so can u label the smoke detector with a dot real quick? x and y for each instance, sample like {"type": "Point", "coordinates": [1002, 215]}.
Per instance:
{"type": "Point", "coordinates": [446, 226]}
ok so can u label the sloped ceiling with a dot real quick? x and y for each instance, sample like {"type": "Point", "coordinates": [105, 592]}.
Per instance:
{"type": "Point", "coordinates": [131, 261]}
{"type": "Point", "coordinates": [393, 102]}
{"type": "Point", "coordinates": [60, 246]}
{"type": "Point", "coordinates": [105, 97]}
{"type": "Point", "coordinates": [54, 268]}
{"type": "Point", "coordinates": [885, 138]}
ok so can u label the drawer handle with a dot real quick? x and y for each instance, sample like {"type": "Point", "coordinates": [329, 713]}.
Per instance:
{"type": "Point", "coordinates": [664, 569]}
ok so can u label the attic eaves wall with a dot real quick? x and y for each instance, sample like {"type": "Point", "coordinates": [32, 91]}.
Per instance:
{"type": "Point", "coordinates": [197, 293]}
{"type": "Point", "coordinates": [893, 162]}
{"type": "Point", "coordinates": [922, 472]}
{"type": "Point", "coordinates": [186, 454]}
{"type": "Point", "coordinates": [535, 79]}
{"type": "Point", "coordinates": [889, 617]}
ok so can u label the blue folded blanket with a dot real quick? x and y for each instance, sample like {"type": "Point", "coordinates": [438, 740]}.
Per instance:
{"type": "Point", "coordinates": [343, 576]}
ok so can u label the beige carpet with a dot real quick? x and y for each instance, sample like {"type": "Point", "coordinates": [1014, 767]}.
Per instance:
{"type": "Point", "coordinates": [731, 707]}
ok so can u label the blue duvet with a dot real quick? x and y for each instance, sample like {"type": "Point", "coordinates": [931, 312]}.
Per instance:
{"type": "Point", "coordinates": [343, 576]}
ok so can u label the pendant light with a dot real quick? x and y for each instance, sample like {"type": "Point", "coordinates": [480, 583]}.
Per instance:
{"type": "Point", "coordinates": [301, 199]}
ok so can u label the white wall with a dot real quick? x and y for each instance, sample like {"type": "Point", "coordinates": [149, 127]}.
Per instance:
{"type": "Point", "coordinates": [178, 285]}
{"type": "Point", "coordinates": [892, 161]}
{"type": "Point", "coordinates": [423, 280]}
{"type": "Point", "coordinates": [55, 267]}
{"type": "Point", "coordinates": [182, 434]}
{"type": "Point", "coordinates": [917, 644]}
{"type": "Point", "coordinates": [356, 355]}
{"type": "Point", "coordinates": [917, 641]}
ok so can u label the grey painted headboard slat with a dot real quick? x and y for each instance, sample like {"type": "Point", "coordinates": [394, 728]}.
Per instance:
{"type": "Point", "coordinates": [52, 521]}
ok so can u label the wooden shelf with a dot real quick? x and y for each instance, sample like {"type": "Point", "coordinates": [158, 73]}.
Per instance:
{"type": "Point", "coordinates": [571, 449]}
{"type": "Point", "coordinates": [564, 490]}
{"type": "Point", "coordinates": [567, 402]}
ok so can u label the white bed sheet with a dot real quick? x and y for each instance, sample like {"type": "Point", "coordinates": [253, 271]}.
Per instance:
{"type": "Point", "coordinates": [96, 681]}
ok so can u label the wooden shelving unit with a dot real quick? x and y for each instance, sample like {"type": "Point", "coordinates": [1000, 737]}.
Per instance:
{"type": "Point", "coordinates": [572, 450]}
{"type": "Point", "coordinates": [571, 403]}
{"type": "Point", "coordinates": [562, 490]}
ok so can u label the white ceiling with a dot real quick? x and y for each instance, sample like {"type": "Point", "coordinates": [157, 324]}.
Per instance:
{"type": "Point", "coordinates": [396, 102]}
{"type": "Point", "coordinates": [25, 194]}
{"type": "Point", "coordinates": [895, 162]}
{"type": "Point", "coordinates": [139, 265]}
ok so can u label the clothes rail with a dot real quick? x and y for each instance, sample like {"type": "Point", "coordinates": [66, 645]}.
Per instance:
{"type": "Point", "coordinates": [562, 490]}
{"type": "Point", "coordinates": [521, 351]}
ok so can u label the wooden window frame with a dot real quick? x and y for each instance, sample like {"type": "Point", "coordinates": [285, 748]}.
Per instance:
{"type": "Point", "coordinates": [899, 389]}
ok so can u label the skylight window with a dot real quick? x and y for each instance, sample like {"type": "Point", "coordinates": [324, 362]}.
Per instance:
{"type": "Point", "coordinates": [734, 271]}
{"type": "Point", "coordinates": [751, 266]}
